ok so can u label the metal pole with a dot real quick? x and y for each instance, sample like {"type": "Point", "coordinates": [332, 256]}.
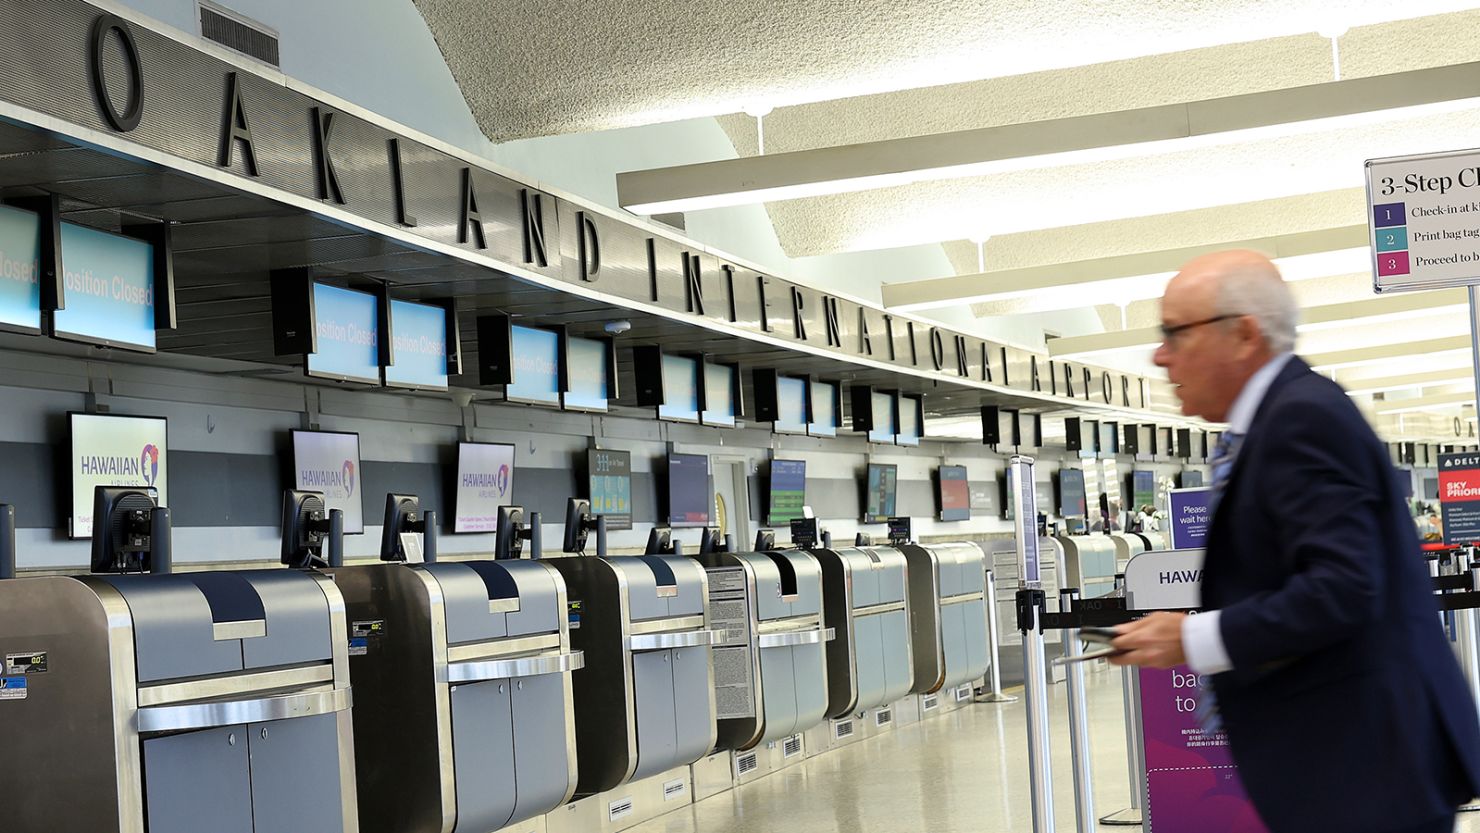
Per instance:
{"type": "Point", "coordinates": [161, 554]}
{"type": "Point", "coordinates": [1030, 602]}
{"type": "Point", "coordinates": [536, 536]}
{"type": "Point", "coordinates": [994, 671]}
{"type": "Point", "coordinates": [601, 536]}
{"type": "Point", "coordinates": [7, 541]}
{"type": "Point", "coordinates": [429, 537]}
{"type": "Point", "coordinates": [336, 538]}
{"type": "Point", "coordinates": [1129, 682]}
{"type": "Point", "coordinates": [1079, 751]}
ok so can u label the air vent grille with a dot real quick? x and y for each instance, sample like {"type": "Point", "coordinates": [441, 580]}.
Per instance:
{"type": "Point", "coordinates": [619, 809]}
{"type": "Point", "coordinates": [843, 729]}
{"type": "Point", "coordinates": [793, 746]}
{"type": "Point", "coordinates": [238, 33]}
{"type": "Point", "coordinates": [745, 763]}
{"type": "Point", "coordinates": [963, 694]}
{"type": "Point", "coordinates": [930, 702]}
{"type": "Point", "coordinates": [883, 717]}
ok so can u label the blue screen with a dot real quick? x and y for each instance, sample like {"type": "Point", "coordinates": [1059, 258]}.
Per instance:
{"type": "Point", "coordinates": [20, 254]}
{"type": "Point", "coordinates": [536, 367]}
{"type": "Point", "coordinates": [588, 374]}
{"type": "Point", "coordinates": [879, 501]}
{"type": "Point", "coordinates": [1071, 493]}
{"type": "Point", "coordinates": [791, 406]}
{"type": "Point", "coordinates": [109, 289]}
{"type": "Point", "coordinates": [909, 421]}
{"type": "Point", "coordinates": [349, 339]}
{"type": "Point", "coordinates": [884, 427]}
{"type": "Point", "coordinates": [421, 346]}
{"type": "Point", "coordinates": [824, 410]}
{"type": "Point", "coordinates": [680, 389]}
{"type": "Point", "coordinates": [719, 395]}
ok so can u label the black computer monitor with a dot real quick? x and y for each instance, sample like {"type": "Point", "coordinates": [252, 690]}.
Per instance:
{"type": "Point", "coordinates": [712, 540]}
{"type": "Point", "coordinates": [305, 522]}
{"type": "Point", "coordinates": [122, 540]}
{"type": "Point", "coordinates": [509, 538]}
{"type": "Point", "coordinates": [765, 540]}
{"type": "Point", "coordinates": [660, 541]}
{"type": "Point", "coordinates": [402, 514]}
{"type": "Point", "coordinates": [577, 524]}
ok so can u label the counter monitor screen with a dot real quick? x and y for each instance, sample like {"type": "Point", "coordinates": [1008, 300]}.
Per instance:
{"type": "Point", "coordinates": [1071, 493]}
{"type": "Point", "coordinates": [610, 478]}
{"type": "Point", "coordinates": [1191, 479]}
{"type": "Point", "coordinates": [1143, 488]}
{"type": "Point", "coordinates": [955, 494]}
{"type": "Point", "coordinates": [688, 490]}
{"type": "Point", "coordinates": [880, 492]}
{"type": "Point", "coordinates": [788, 491]}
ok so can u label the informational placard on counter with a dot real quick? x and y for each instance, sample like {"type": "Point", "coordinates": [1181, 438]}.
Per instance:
{"type": "Point", "coordinates": [1192, 785]}
{"type": "Point", "coordinates": [1191, 517]}
{"type": "Point", "coordinates": [329, 462]}
{"type": "Point", "coordinates": [115, 451]}
{"type": "Point", "coordinates": [485, 481]}
{"type": "Point", "coordinates": [1459, 497]}
{"type": "Point", "coordinates": [1424, 220]}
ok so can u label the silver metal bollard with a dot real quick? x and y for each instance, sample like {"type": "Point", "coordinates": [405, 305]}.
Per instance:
{"type": "Point", "coordinates": [1035, 689]}
{"type": "Point", "coordinates": [994, 673]}
{"type": "Point", "coordinates": [1079, 750]}
{"type": "Point", "coordinates": [1131, 695]}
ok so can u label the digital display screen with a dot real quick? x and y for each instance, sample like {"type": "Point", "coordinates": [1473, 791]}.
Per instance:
{"type": "Point", "coordinates": [788, 492]}
{"type": "Point", "coordinates": [1071, 493]}
{"type": "Point", "coordinates": [955, 494]}
{"type": "Point", "coordinates": [910, 429]}
{"type": "Point", "coordinates": [719, 395]}
{"type": "Point", "coordinates": [884, 428]}
{"type": "Point", "coordinates": [1143, 489]}
{"type": "Point", "coordinates": [115, 451]}
{"type": "Point", "coordinates": [680, 389]}
{"type": "Point", "coordinates": [882, 484]}
{"type": "Point", "coordinates": [791, 406]}
{"type": "Point", "coordinates": [590, 388]}
{"type": "Point", "coordinates": [20, 266]}
{"type": "Point", "coordinates": [419, 332]}
{"type": "Point", "coordinates": [347, 324]}
{"type": "Point", "coordinates": [688, 490]}
{"type": "Point", "coordinates": [1191, 479]}
{"type": "Point", "coordinates": [485, 481]}
{"type": "Point", "coordinates": [825, 399]}
{"type": "Point", "coordinates": [536, 367]}
{"type": "Point", "coordinates": [329, 462]}
{"type": "Point", "coordinates": [109, 282]}
{"type": "Point", "coordinates": [610, 476]}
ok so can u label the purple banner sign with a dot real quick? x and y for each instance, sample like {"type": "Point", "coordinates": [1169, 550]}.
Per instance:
{"type": "Point", "coordinates": [1191, 783]}
{"type": "Point", "coordinates": [1191, 515]}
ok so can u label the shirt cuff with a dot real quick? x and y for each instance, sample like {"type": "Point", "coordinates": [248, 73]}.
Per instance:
{"type": "Point", "coordinates": [1202, 643]}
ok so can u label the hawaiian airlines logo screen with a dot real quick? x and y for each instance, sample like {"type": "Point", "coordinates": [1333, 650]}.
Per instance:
{"type": "Point", "coordinates": [114, 451]}
{"type": "Point", "coordinates": [485, 481]}
{"type": "Point", "coordinates": [329, 462]}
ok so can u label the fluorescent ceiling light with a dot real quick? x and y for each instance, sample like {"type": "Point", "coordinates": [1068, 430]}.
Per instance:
{"type": "Point", "coordinates": [1077, 140]}
{"type": "Point", "coordinates": [1443, 402]}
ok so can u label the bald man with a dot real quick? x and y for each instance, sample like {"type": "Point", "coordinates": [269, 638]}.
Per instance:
{"type": "Point", "coordinates": [1344, 706]}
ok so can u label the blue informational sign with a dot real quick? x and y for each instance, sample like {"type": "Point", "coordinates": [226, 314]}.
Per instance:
{"type": "Point", "coordinates": [680, 389]}
{"type": "Point", "coordinates": [536, 367]}
{"type": "Point", "coordinates": [20, 256]}
{"type": "Point", "coordinates": [420, 335]}
{"type": "Point", "coordinates": [347, 324]}
{"type": "Point", "coordinates": [879, 498]}
{"type": "Point", "coordinates": [910, 429]}
{"type": "Point", "coordinates": [589, 388]}
{"type": "Point", "coordinates": [109, 282]}
{"type": "Point", "coordinates": [1192, 515]}
{"type": "Point", "coordinates": [825, 396]}
{"type": "Point", "coordinates": [791, 406]}
{"type": "Point", "coordinates": [884, 424]}
{"type": "Point", "coordinates": [719, 395]}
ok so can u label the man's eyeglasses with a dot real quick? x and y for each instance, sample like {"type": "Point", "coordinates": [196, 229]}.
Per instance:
{"type": "Point", "coordinates": [1169, 332]}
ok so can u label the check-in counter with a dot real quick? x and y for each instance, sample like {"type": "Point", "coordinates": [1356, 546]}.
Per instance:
{"type": "Point", "coordinates": [1128, 545]}
{"type": "Point", "coordinates": [1156, 541]}
{"type": "Point", "coordinates": [645, 699]}
{"type": "Point", "coordinates": [770, 663]}
{"type": "Point", "coordinates": [463, 711]}
{"type": "Point", "coordinates": [176, 703]}
{"type": "Point", "coordinates": [865, 602]}
{"type": "Point", "coordinates": [948, 614]}
{"type": "Point", "coordinates": [1088, 563]}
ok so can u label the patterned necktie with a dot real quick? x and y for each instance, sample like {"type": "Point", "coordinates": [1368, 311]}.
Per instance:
{"type": "Point", "coordinates": [1224, 453]}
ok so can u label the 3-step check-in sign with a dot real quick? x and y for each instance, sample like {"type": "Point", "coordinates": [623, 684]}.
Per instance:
{"type": "Point", "coordinates": [1459, 497]}
{"type": "Point", "coordinates": [1424, 220]}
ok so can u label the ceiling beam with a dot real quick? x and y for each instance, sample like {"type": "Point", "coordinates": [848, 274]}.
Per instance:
{"type": "Point", "coordinates": [1358, 386]}
{"type": "Point", "coordinates": [1048, 143]}
{"type": "Point", "coordinates": [1138, 276]}
{"type": "Point", "coordinates": [1382, 352]}
{"type": "Point", "coordinates": [1436, 402]}
{"type": "Point", "coordinates": [1316, 317]}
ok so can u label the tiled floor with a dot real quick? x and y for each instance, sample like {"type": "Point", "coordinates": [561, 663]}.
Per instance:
{"type": "Point", "coordinates": [964, 772]}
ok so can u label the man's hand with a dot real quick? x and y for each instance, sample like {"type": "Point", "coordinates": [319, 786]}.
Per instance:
{"type": "Point", "coordinates": [1153, 642]}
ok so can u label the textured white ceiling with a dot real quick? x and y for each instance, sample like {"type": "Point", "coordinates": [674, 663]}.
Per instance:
{"type": "Point", "coordinates": [546, 67]}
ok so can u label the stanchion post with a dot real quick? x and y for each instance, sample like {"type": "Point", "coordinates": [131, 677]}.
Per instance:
{"type": "Point", "coordinates": [1130, 695]}
{"type": "Point", "coordinates": [1079, 749]}
{"type": "Point", "coordinates": [994, 638]}
{"type": "Point", "coordinates": [1030, 605]}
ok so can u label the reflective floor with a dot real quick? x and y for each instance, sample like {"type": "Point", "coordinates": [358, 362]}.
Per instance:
{"type": "Point", "coordinates": [964, 772]}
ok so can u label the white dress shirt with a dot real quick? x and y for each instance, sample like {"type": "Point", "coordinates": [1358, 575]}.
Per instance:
{"type": "Point", "coordinates": [1202, 641]}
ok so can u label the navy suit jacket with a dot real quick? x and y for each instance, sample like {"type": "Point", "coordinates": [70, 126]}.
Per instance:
{"type": "Point", "coordinates": [1345, 709]}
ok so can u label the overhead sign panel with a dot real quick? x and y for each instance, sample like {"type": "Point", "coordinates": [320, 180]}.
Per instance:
{"type": "Point", "coordinates": [347, 323]}
{"type": "Point", "coordinates": [420, 337]}
{"type": "Point", "coordinates": [536, 367]}
{"type": "Point", "coordinates": [109, 282]}
{"type": "Point", "coordinates": [589, 375]}
{"type": "Point", "coordinates": [20, 256]}
{"type": "Point", "coordinates": [1424, 218]}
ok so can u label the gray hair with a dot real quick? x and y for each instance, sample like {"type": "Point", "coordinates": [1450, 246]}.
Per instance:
{"type": "Point", "coordinates": [1257, 289]}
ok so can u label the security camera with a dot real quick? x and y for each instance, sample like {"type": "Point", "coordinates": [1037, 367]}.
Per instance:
{"type": "Point", "coordinates": [618, 327]}
{"type": "Point", "coordinates": [461, 398]}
